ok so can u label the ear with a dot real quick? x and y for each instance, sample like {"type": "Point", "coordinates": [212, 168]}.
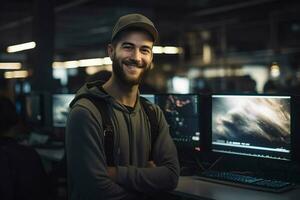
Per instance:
{"type": "Point", "coordinates": [151, 65]}
{"type": "Point", "coordinates": [110, 51]}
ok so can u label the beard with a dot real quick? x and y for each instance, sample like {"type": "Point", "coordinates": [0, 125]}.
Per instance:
{"type": "Point", "coordinates": [121, 75]}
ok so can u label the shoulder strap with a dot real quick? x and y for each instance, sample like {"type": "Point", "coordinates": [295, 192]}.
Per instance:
{"type": "Point", "coordinates": [150, 112]}
{"type": "Point", "coordinates": [102, 107]}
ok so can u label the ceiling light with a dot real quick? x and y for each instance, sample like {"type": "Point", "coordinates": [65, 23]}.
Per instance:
{"type": "Point", "coordinates": [71, 64]}
{"type": "Point", "coordinates": [91, 62]}
{"type": "Point", "coordinates": [107, 61]}
{"type": "Point", "coordinates": [16, 74]}
{"type": "Point", "coordinates": [206, 54]}
{"type": "Point", "coordinates": [10, 65]}
{"type": "Point", "coordinates": [57, 65]}
{"type": "Point", "coordinates": [172, 50]}
{"type": "Point", "coordinates": [158, 49]}
{"type": "Point", "coordinates": [275, 70]}
{"type": "Point", "coordinates": [21, 47]}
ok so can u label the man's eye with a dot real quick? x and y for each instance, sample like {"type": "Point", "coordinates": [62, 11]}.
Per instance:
{"type": "Point", "coordinates": [127, 47]}
{"type": "Point", "coordinates": [146, 51]}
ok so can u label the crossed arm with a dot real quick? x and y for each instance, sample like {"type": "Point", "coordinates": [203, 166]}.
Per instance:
{"type": "Point", "coordinates": [92, 178]}
{"type": "Point", "coordinates": [112, 171]}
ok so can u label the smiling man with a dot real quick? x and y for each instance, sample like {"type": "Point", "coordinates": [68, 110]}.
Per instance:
{"type": "Point", "coordinates": [114, 153]}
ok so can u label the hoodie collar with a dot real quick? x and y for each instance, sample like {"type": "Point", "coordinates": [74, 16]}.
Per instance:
{"type": "Point", "coordinates": [95, 89]}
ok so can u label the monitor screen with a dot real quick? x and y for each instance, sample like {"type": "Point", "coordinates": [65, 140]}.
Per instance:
{"type": "Point", "coordinates": [33, 109]}
{"type": "Point", "coordinates": [149, 97]}
{"type": "Point", "coordinates": [181, 112]}
{"type": "Point", "coordinates": [19, 106]}
{"type": "Point", "coordinates": [60, 108]}
{"type": "Point", "coordinates": [252, 125]}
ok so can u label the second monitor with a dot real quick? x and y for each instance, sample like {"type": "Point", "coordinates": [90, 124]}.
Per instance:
{"type": "Point", "coordinates": [252, 125]}
{"type": "Point", "coordinates": [182, 113]}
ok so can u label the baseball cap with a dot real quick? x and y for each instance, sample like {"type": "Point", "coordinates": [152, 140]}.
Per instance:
{"type": "Point", "coordinates": [135, 20]}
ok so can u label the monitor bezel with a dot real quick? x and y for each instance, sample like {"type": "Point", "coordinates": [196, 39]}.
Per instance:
{"type": "Point", "coordinates": [35, 123]}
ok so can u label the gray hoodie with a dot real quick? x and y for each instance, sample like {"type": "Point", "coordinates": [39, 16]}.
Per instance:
{"type": "Point", "coordinates": [86, 161]}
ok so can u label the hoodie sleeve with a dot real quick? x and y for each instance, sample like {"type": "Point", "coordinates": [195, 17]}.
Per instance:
{"type": "Point", "coordinates": [86, 162]}
{"type": "Point", "coordinates": [161, 178]}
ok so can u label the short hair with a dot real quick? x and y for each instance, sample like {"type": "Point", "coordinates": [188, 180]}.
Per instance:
{"type": "Point", "coordinates": [120, 35]}
{"type": "Point", "coordinates": [8, 114]}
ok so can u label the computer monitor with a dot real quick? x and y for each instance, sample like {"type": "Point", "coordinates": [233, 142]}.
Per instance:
{"type": "Point", "coordinates": [252, 125]}
{"type": "Point", "coordinates": [34, 109]}
{"type": "Point", "coordinates": [182, 113]}
{"type": "Point", "coordinates": [20, 105]}
{"type": "Point", "coordinates": [149, 97]}
{"type": "Point", "coordinates": [60, 108]}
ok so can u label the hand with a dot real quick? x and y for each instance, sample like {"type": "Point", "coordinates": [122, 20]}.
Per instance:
{"type": "Point", "coordinates": [151, 164]}
{"type": "Point", "coordinates": [112, 173]}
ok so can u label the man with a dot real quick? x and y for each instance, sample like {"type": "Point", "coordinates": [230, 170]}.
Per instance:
{"type": "Point", "coordinates": [133, 175]}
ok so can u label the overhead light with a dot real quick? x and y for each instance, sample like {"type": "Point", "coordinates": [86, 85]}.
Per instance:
{"type": "Point", "coordinates": [71, 64]}
{"type": "Point", "coordinates": [171, 50]}
{"type": "Point", "coordinates": [91, 62]}
{"type": "Point", "coordinates": [158, 50]}
{"type": "Point", "coordinates": [180, 84]}
{"type": "Point", "coordinates": [57, 65]}
{"type": "Point", "coordinates": [82, 63]}
{"type": "Point", "coordinates": [107, 61]}
{"type": "Point", "coordinates": [16, 74]}
{"type": "Point", "coordinates": [275, 70]}
{"type": "Point", "coordinates": [21, 47]}
{"type": "Point", "coordinates": [166, 50]}
{"type": "Point", "coordinates": [206, 54]}
{"type": "Point", "coordinates": [10, 65]}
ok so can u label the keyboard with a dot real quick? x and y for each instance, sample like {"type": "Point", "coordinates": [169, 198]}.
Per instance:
{"type": "Point", "coordinates": [246, 181]}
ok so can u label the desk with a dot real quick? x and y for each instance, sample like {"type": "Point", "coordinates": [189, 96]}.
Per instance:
{"type": "Point", "coordinates": [199, 189]}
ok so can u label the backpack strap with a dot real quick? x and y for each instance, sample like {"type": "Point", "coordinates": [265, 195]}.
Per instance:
{"type": "Point", "coordinates": [102, 107]}
{"type": "Point", "coordinates": [150, 112]}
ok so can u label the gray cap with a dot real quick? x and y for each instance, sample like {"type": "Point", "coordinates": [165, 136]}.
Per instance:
{"type": "Point", "coordinates": [135, 20]}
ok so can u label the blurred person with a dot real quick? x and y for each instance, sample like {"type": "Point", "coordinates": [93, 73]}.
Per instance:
{"type": "Point", "coordinates": [133, 175]}
{"type": "Point", "coordinates": [22, 174]}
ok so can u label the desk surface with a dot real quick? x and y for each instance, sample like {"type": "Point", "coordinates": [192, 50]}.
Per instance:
{"type": "Point", "coordinates": [200, 189]}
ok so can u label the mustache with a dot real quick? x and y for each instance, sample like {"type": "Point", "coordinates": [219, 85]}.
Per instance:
{"type": "Point", "coordinates": [133, 62]}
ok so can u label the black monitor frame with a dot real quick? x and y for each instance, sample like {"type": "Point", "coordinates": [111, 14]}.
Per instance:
{"type": "Point", "coordinates": [35, 116]}
{"type": "Point", "coordinates": [295, 128]}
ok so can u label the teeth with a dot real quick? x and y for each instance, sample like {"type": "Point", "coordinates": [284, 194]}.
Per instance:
{"type": "Point", "coordinates": [131, 66]}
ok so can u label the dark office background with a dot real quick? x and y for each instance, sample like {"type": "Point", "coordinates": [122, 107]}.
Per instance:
{"type": "Point", "coordinates": [224, 46]}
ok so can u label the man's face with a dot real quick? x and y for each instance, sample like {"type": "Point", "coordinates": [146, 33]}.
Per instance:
{"type": "Point", "coordinates": [132, 57]}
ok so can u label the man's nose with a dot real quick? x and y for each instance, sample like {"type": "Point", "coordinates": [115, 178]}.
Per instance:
{"type": "Point", "coordinates": [136, 55]}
